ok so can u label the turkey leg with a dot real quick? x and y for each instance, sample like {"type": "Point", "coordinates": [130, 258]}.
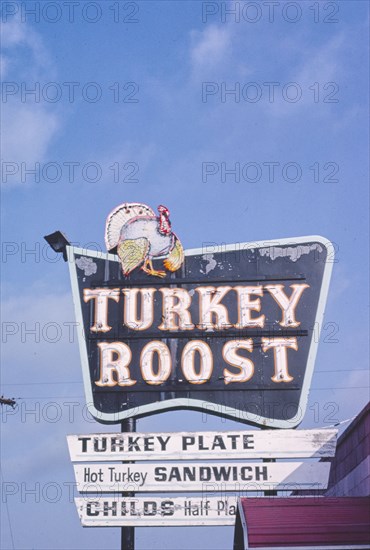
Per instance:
{"type": "Point", "coordinates": [151, 271]}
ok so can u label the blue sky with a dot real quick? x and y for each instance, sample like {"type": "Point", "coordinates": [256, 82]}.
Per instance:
{"type": "Point", "coordinates": [173, 123]}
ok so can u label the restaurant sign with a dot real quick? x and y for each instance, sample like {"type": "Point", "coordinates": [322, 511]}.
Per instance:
{"type": "Point", "coordinates": [156, 511]}
{"type": "Point", "coordinates": [201, 476]}
{"type": "Point", "coordinates": [265, 444]}
{"type": "Point", "coordinates": [230, 330]}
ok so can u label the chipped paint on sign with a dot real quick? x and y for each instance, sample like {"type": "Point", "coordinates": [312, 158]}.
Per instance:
{"type": "Point", "coordinates": [87, 265]}
{"type": "Point", "coordinates": [293, 253]}
{"type": "Point", "coordinates": [210, 265]}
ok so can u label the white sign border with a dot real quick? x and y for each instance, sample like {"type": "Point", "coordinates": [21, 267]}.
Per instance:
{"type": "Point", "coordinates": [180, 403]}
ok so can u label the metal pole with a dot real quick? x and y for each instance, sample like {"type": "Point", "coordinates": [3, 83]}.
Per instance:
{"type": "Point", "coordinates": [269, 493]}
{"type": "Point", "coordinates": [272, 493]}
{"type": "Point", "coordinates": [128, 533]}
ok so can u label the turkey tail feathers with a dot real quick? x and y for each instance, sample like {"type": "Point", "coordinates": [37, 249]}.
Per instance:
{"type": "Point", "coordinates": [121, 215]}
{"type": "Point", "coordinates": [175, 258]}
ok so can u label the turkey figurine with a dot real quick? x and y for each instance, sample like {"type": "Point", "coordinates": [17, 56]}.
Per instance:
{"type": "Point", "coordinates": [137, 235]}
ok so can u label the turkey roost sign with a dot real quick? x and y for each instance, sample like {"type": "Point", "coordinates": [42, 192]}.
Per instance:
{"type": "Point", "coordinates": [230, 330]}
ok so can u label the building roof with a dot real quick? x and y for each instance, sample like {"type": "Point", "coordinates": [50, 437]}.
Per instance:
{"type": "Point", "coordinates": [302, 522]}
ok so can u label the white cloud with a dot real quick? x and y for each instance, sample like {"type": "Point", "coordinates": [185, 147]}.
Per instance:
{"type": "Point", "coordinates": [29, 124]}
{"type": "Point", "coordinates": [16, 35]}
{"type": "Point", "coordinates": [211, 46]}
{"type": "Point", "coordinates": [3, 65]}
{"type": "Point", "coordinates": [12, 32]}
{"type": "Point", "coordinates": [128, 153]}
{"type": "Point", "coordinates": [323, 64]}
{"type": "Point", "coordinates": [28, 131]}
{"type": "Point", "coordinates": [315, 77]}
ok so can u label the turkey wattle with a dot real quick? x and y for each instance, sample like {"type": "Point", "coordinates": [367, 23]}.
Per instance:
{"type": "Point", "coordinates": [138, 236]}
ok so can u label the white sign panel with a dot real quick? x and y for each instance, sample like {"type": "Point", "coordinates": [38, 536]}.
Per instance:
{"type": "Point", "coordinates": [152, 512]}
{"type": "Point", "coordinates": [207, 445]}
{"type": "Point", "coordinates": [200, 476]}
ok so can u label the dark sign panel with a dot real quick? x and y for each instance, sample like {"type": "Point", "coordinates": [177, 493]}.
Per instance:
{"type": "Point", "coordinates": [233, 331]}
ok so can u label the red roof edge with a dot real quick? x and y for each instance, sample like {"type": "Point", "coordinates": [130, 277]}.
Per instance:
{"type": "Point", "coordinates": [302, 522]}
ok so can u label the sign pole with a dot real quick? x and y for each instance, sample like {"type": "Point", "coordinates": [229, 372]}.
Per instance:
{"type": "Point", "coordinates": [269, 493]}
{"type": "Point", "coordinates": [128, 533]}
